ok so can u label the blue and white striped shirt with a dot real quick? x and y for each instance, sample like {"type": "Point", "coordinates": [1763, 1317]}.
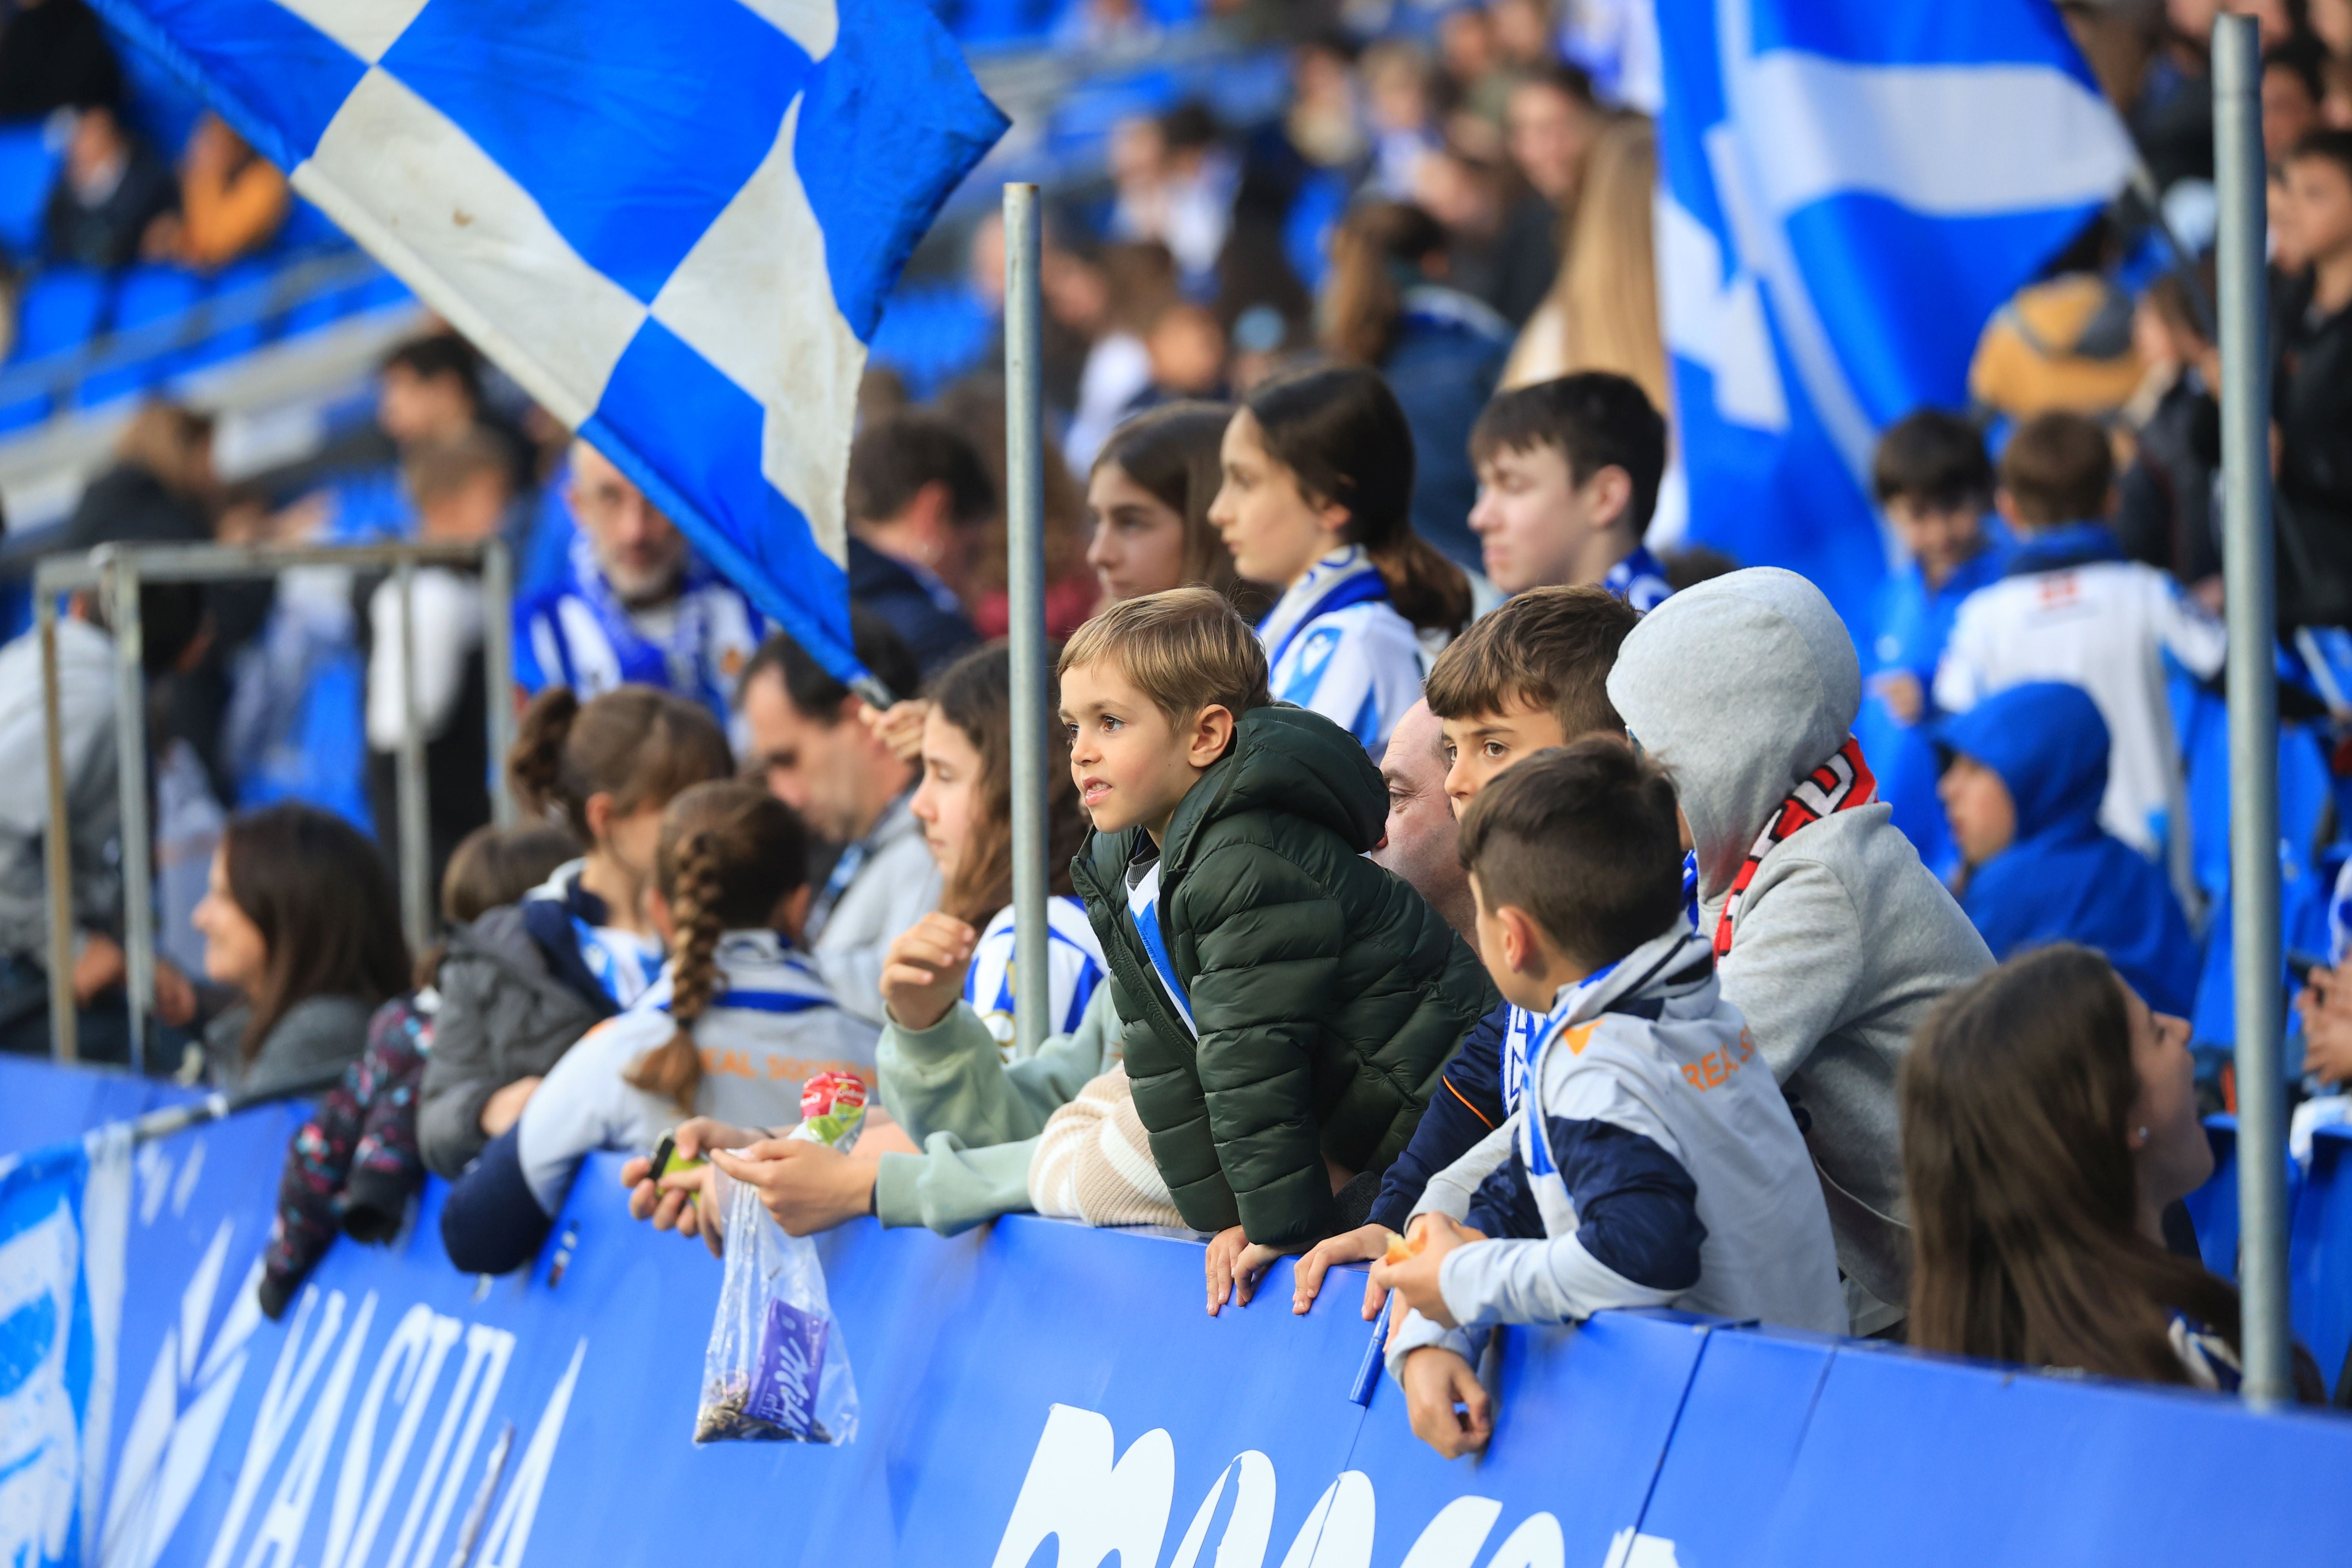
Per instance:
{"type": "Point", "coordinates": [1075, 955]}
{"type": "Point", "coordinates": [1336, 645]}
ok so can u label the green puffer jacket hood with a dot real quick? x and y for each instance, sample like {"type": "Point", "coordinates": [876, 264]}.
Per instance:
{"type": "Point", "coordinates": [1328, 993]}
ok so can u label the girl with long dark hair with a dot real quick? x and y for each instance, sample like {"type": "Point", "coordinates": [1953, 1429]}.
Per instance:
{"type": "Point", "coordinates": [1319, 470]}
{"type": "Point", "coordinates": [1150, 490]}
{"type": "Point", "coordinates": [302, 922]}
{"type": "Point", "coordinates": [2048, 1122]}
{"type": "Point", "coordinates": [965, 804]}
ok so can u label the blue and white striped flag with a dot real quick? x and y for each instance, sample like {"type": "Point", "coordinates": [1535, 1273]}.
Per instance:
{"type": "Point", "coordinates": [673, 224]}
{"type": "Point", "coordinates": [1852, 188]}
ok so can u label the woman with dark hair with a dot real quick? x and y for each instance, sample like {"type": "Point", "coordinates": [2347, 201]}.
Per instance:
{"type": "Point", "coordinates": [300, 921]}
{"type": "Point", "coordinates": [1150, 489]}
{"type": "Point", "coordinates": [1386, 304]}
{"type": "Point", "coordinates": [1317, 469]}
{"type": "Point", "coordinates": [2048, 1122]}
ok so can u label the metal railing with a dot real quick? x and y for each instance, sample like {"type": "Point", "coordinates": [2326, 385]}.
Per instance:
{"type": "Point", "coordinates": [116, 573]}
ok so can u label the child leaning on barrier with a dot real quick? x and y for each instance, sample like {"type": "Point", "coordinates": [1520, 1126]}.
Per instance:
{"type": "Point", "coordinates": [737, 1021]}
{"type": "Point", "coordinates": [1286, 1004]}
{"type": "Point", "coordinates": [352, 1167]}
{"type": "Point", "coordinates": [1654, 1160]}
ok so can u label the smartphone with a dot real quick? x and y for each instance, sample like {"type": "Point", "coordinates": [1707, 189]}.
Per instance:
{"type": "Point", "coordinates": [2301, 964]}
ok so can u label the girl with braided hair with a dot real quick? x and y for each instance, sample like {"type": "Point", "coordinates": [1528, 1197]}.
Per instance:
{"type": "Point", "coordinates": [737, 1019]}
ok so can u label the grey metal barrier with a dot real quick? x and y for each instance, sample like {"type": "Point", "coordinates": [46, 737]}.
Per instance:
{"type": "Point", "coordinates": [1024, 510]}
{"type": "Point", "coordinates": [116, 573]}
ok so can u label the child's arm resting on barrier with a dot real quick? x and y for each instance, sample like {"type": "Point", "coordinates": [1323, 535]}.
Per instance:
{"type": "Point", "coordinates": [1437, 1380]}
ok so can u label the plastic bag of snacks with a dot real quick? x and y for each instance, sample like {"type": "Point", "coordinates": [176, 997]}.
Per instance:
{"type": "Point", "coordinates": [776, 1369]}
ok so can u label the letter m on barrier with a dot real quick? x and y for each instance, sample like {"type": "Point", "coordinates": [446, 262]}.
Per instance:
{"type": "Point", "coordinates": [1075, 1492]}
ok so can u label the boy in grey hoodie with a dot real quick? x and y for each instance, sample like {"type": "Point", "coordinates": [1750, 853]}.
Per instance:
{"type": "Point", "coordinates": [1830, 935]}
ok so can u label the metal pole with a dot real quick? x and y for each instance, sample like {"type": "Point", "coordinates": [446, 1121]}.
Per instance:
{"type": "Point", "coordinates": [408, 778]}
{"type": "Point", "coordinates": [1024, 512]}
{"type": "Point", "coordinates": [56, 843]}
{"type": "Point", "coordinates": [121, 575]}
{"type": "Point", "coordinates": [2248, 571]}
{"type": "Point", "coordinates": [497, 672]}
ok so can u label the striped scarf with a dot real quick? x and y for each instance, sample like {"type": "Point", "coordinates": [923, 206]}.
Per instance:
{"type": "Point", "coordinates": [1839, 785]}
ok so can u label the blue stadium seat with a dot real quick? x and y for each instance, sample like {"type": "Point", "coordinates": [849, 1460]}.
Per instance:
{"type": "Point", "coordinates": [29, 167]}
{"type": "Point", "coordinates": [2320, 1252]}
{"type": "Point", "coordinates": [61, 309]}
{"type": "Point", "coordinates": [930, 335]}
{"type": "Point", "coordinates": [238, 327]}
{"type": "Point", "coordinates": [144, 297]}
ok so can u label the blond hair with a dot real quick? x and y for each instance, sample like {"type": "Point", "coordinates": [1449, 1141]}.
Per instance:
{"type": "Point", "coordinates": [1185, 649]}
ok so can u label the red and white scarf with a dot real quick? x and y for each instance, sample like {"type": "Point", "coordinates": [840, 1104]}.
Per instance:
{"type": "Point", "coordinates": [1839, 785]}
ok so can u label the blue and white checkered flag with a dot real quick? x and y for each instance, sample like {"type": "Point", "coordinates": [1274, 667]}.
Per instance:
{"type": "Point", "coordinates": [1852, 188]}
{"type": "Point", "coordinates": [674, 223]}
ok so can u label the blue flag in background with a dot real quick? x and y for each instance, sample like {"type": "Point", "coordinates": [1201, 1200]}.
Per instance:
{"type": "Point", "coordinates": [1852, 188]}
{"type": "Point", "coordinates": [674, 223]}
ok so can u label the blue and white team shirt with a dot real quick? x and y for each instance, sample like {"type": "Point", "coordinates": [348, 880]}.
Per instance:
{"type": "Point", "coordinates": [1640, 580]}
{"type": "Point", "coordinates": [1334, 644]}
{"type": "Point", "coordinates": [570, 924]}
{"type": "Point", "coordinates": [1644, 1081]}
{"type": "Point", "coordinates": [1072, 950]}
{"type": "Point", "coordinates": [772, 1026]}
{"type": "Point", "coordinates": [577, 633]}
{"type": "Point", "coordinates": [1143, 909]}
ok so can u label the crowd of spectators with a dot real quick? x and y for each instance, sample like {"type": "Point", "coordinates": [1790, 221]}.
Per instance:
{"type": "Point", "coordinates": [1390, 755]}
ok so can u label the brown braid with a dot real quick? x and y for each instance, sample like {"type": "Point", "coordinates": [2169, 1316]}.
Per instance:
{"type": "Point", "coordinates": [729, 853]}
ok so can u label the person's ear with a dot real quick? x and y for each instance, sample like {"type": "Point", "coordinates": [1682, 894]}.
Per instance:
{"type": "Point", "coordinates": [1335, 518]}
{"type": "Point", "coordinates": [1521, 952]}
{"type": "Point", "coordinates": [1607, 495]}
{"type": "Point", "coordinates": [2006, 504]}
{"type": "Point", "coordinates": [932, 507]}
{"type": "Point", "coordinates": [1213, 731]}
{"type": "Point", "coordinates": [598, 810]}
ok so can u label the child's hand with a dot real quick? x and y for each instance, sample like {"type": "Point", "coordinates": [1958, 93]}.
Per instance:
{"type": "Point", "coordinates": [1415, 1278]}
{"type": "Point", "coordinates": [1359, 1246]}
{"type": "Point", "coordinates": [669, 1205]}
{"type": "Point", "coordinates": [899, 727]}
{"type": "Point", "coordinates": [1436, 1381]}
{"type": "Point", "coordinates": [504, 1108]}
{"type": "Point", "coordinates": [1233, 1264]}
{"type": "Point", "coordinates": [806, 1187]}
{"type": "Point", "coordinates": [923, 975]}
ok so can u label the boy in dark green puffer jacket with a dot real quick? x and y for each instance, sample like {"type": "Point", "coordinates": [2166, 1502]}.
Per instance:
{"type": "Point", "coordinates": [1285, 1003]}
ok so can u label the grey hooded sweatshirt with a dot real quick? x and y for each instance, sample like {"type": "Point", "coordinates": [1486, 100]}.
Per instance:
{"type": "Point", "coordinates": [1741, 687]}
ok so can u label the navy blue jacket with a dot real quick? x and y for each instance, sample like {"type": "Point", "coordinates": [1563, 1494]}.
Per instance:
{"type": "Point", "coordinates": [926, 616]}
{"type": "Point", "coordinates": [1449, 352]}
{"type": "Point", "coordinates": [1467, 1105]}
{"type": "Point", "coordinates": [2063, 878]}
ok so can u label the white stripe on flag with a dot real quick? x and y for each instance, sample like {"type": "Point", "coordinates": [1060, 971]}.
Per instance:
{"type": "Point", "coordinates": [754, 298]}
{"type": "Point", "coordinates": [427, 202]}
{"type": "Point", "coordinates": [366, 28]}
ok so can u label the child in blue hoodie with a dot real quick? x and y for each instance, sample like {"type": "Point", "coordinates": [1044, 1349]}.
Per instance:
{"type": "Point", "coordinates": [2025, 772]}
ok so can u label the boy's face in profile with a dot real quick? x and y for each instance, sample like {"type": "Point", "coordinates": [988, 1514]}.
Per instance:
{"type": "Point", "coordinates": [1482, 746]}
{"type": "Point", "coordinates": [1537, 526]}
{"type": "Point", "coordinates": [1517, 958]}
{"type": "Point", "coordinates": [1131, 765]}
{"type": "Point", "coordinates": [1978, 804]}
{"type": "Point", "coordinates": [1940, 538]}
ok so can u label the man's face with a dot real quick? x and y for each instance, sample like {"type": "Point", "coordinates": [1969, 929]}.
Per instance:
{"type": "Point", "coordinates": [826, 771]}
{"type": "Point", "coordinates": [412, 407]}
{"type": "Point", "coordinates": [1482, 746]}
{"type": "Point", "coordinates": [1549, 135]}
{"type": "Point", "coordinates": [1420, 842]}
{"type": "Point", "coordinates": [641, 553]}
{"type": "Point", "coordinates": [1939, 537]}
{"type": "Point", "coordinates": [1534, 522]}
{"type": "Point", "coordinates": [471, 513]}
{"type": "Point", "coordinates": [2288, 112]}
{"type": "Point", "coordinates": [2318, 206]}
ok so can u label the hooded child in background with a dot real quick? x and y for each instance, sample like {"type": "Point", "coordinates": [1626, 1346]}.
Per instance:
{"type": "Point", "coordinates": [2024, 774]}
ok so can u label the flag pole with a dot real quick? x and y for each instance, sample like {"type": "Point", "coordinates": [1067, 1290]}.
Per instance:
{"type": "Point", "coordinates": [1024, 508]}
{"type": "Point", "coordinates": [2247, 572]}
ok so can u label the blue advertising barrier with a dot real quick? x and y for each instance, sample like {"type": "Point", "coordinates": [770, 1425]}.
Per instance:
{"type": "Point", "coordinates": [1032, 1383]}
